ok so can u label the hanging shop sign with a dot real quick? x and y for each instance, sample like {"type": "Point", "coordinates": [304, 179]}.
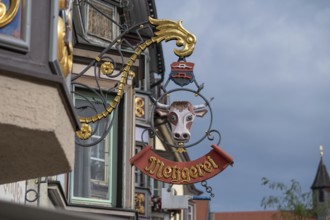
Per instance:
{"type": "Point", "coordinates": [179, 116]}
{"type": "Point", "coordinates": [189, 172]}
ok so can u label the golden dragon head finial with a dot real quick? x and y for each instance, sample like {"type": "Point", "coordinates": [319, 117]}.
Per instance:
{"type": "Point", "coordinates": [170, 30]}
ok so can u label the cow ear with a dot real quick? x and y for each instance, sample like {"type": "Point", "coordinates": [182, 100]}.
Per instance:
{"type": "Point", "coordinates": [200, 112]}
{"type": "Point", "coordinates": [162, 112]}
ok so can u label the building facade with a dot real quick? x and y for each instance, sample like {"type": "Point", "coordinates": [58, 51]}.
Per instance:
{"type": "Point", "coordinates": [61, 64]}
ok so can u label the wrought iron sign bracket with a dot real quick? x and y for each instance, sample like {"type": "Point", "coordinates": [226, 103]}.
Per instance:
{"type": "Point", "coordinates": [181, 74]}
{"type": "Point", "coordinates": [166, 30]}
{"type": "Point", "coordinates": [179, 115]}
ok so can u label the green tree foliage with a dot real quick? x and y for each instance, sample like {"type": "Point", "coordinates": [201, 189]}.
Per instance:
{"type": "Point", "coordinates": [292, 203]}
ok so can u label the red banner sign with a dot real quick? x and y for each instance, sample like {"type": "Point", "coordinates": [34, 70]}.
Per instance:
{"type": "Point", "coordinates": [189, 172]}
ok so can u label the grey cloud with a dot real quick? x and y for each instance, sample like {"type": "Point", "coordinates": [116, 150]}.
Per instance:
{"type": "Point", "coordinates": [267, 63]}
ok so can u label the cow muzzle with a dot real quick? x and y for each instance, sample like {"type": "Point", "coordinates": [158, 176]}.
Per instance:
{"type": "Point", "coordinates": [181, 137]}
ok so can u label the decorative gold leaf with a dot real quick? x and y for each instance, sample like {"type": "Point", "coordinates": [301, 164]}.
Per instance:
{"type": "Point", "coordinates": [169, 30]}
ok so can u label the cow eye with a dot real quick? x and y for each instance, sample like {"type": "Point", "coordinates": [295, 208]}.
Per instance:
{"type": "Point", "coordinates": [189, 118]}
{"type": "Point", "coordinates": [173, 118]}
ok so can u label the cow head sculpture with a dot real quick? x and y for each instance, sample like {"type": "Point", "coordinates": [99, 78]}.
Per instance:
{"type": "Point", "coordinates": [181, 115]}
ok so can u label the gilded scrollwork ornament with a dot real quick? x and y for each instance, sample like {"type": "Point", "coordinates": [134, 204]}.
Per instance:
{"type": "Point", "coordinates": [64, 44]}
{"type": "Point", "coordinates": [8, 15]}
{"type": "Point", "coordinates": [170, 30]}
{"type": "Point", "coordinates": [107, 68]}
{"type": "Point", "coordinates": [166, 30]}
{"type": "Point", "coordinates": [85, 132]}
{"type": "Point", "coordinates": [3, 10]}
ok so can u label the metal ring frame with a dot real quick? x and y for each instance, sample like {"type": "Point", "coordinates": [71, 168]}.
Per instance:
{"type": "Point", "coordinates": [207, 133]}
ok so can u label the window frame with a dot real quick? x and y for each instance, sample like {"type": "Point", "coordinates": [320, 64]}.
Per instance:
{"type": "Point", "coordinates": [156, 187]}
{"type": "Point", "coordinates": [111, 147]}
{"type": "Point", "coordinates": [21, 44]}
{"type": "Point", "coordinates": [81, 23]}
{"type": "Point", "coordinates": [140, 179]}
{"type": "Point", "coordinates": [113, 26]}
{"type": "Point", "coordinates": [190, 212]}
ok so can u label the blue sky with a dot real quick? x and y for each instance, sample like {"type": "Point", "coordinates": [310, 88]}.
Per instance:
{"type": "Point", "coordinates": [267, 65]}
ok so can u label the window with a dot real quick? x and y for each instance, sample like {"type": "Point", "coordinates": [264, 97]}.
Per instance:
{"type": "Point", "coordinates": [96, 22]}
{"type": "Point", "coordinates": [141, 180]}
{"type": "Point", "coordinates": [95, 171]}
{"type": "Point", "coordinates": [156, 187]}
{"type": "Point", "coordinates": [190, 212]}
{"type": "Point", "coordinates": [321, 195]}
{"type": "Point", "coordinates": [141, 138]}
{"type": "Point", "coordinates": [156, 194]}
{"type": "Point", "coordinates": [100, 22]}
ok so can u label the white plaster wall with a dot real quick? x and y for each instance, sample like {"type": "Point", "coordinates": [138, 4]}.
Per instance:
{"type": "Point", "coordinates": [36, 135]}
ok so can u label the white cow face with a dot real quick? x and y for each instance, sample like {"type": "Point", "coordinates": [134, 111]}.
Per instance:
{"type": "Point", "coordinates": [181, 115]}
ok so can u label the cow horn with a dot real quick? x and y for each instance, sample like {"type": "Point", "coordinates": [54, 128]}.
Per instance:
{"type": "Point", "coordinates": [201, 106]}
{"type": "Point", "coordinates": [158, 104]}
{"type": "Point", "coordinates": [162, 106]}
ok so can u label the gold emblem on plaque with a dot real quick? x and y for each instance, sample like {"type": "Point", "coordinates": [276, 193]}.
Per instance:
{"type": "Point", "coordinates": [139, 203]}
{"type": "Point", "coordinates": [139, 107]}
